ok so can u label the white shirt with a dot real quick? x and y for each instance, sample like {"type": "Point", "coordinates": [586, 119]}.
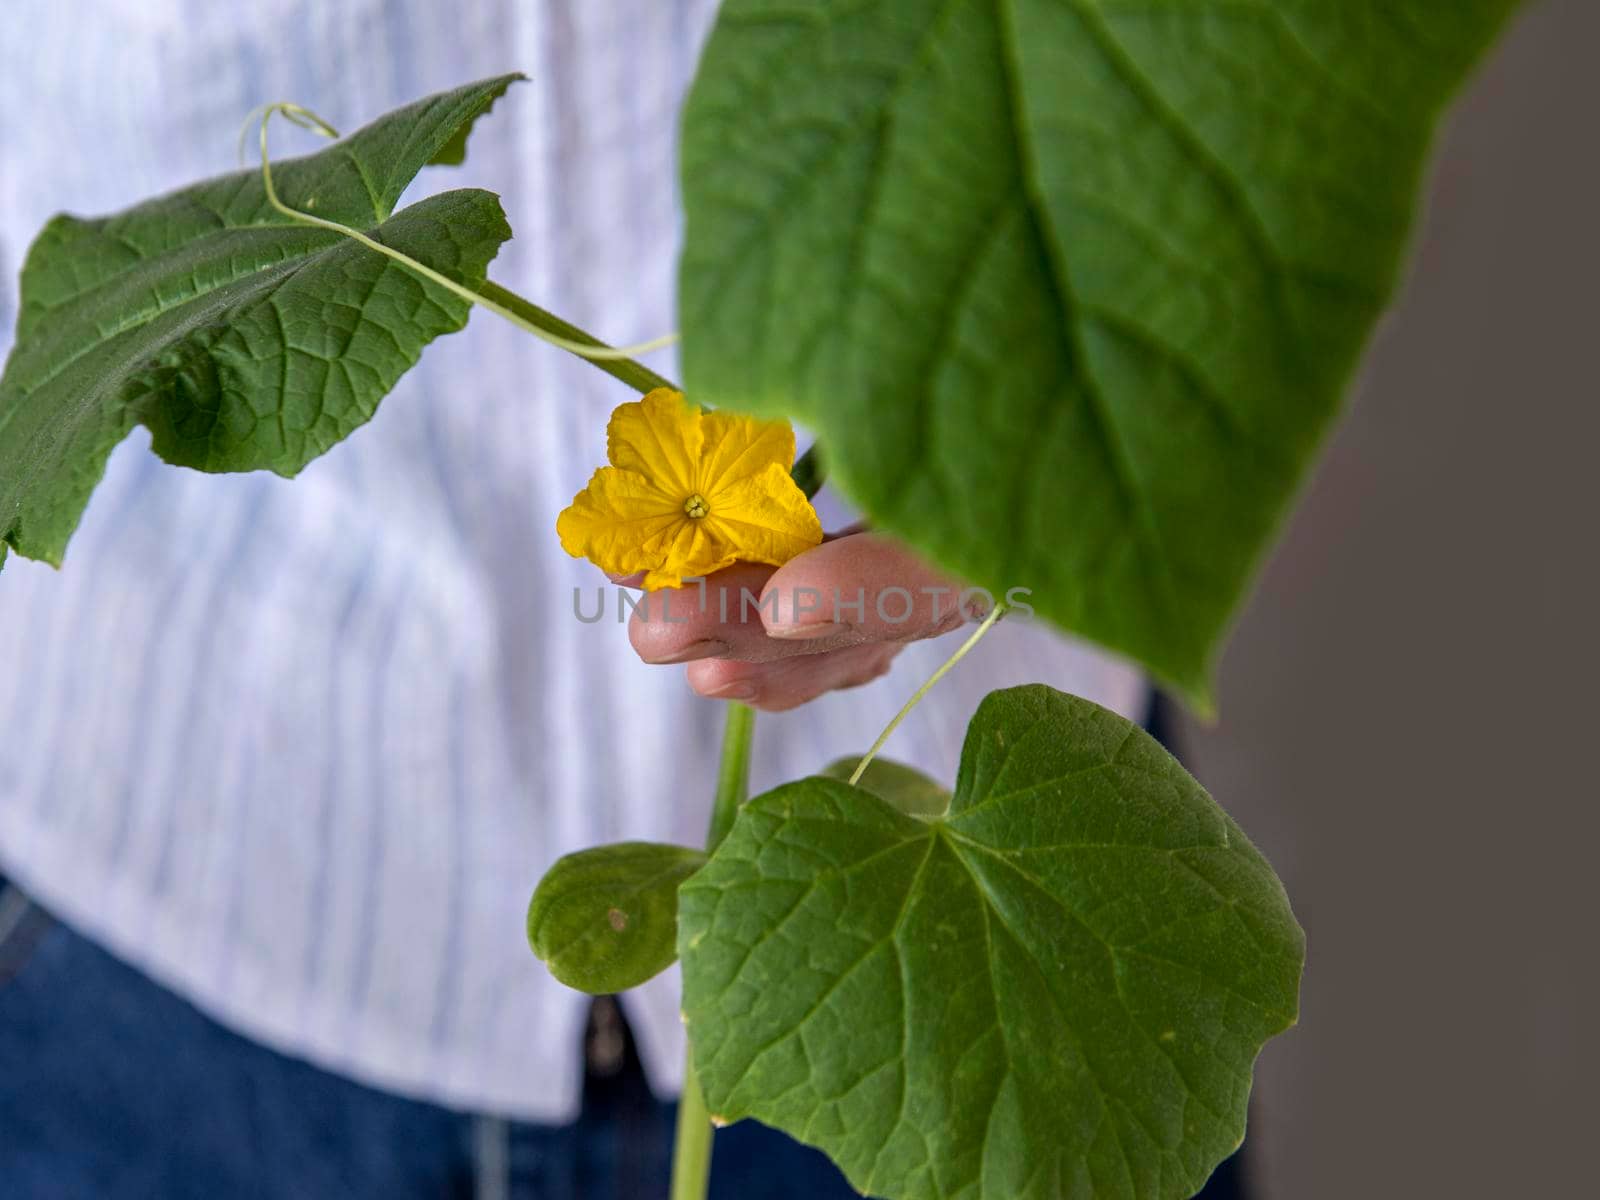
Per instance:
{"type": "Point", "coordinates": [301, 750]}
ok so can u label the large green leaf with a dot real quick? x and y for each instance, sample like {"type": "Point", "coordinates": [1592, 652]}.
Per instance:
{"type": "Point", "coordinates": [1069, 289]}
{"type": "Point", "coordinates": [241, 339]}
{"type": "Point", "coordinates": [1058, 989]}
{"type": "Point", "coordinates": [605, 919]}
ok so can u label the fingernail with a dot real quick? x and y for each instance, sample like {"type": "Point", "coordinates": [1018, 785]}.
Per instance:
{"type": "Point", "coordinates": [705, 648]}
{"type": "Point", "coordinates": [736, 690]}
{"type": "Point", "coordinates": [819, 629]}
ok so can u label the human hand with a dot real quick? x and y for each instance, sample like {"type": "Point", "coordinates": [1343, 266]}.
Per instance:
{"type": "Point", "coordinates": [833, 617]}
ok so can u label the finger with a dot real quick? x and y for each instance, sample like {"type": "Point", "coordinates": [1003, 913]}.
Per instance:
{"type": "Point", "coordinates": [790, 682]}
{"type": "Point", "coordinates": [720, 619]}
{"type": "Point", "coordinates": [866, 585]}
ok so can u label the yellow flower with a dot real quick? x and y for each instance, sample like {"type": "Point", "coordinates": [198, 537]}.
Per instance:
{"type": "Point", "coordinates": [688, 493]}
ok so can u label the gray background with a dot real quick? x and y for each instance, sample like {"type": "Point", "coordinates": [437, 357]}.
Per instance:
{"type": "Point", "coordinates": [1408, 703]}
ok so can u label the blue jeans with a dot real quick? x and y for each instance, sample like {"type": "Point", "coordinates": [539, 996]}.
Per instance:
{"type": "Point", "coordinates": [112, 1088]}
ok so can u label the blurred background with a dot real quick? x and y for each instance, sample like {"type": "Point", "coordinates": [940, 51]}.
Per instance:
{"type": "Point", "coordinates": [1408, 705]}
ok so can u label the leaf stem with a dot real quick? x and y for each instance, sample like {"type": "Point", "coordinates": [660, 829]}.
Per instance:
{"type": "Point", "coordinates": [691, 1154]}
{"type": "Point", "coordinates": [944, 669]}
{"type": "Point", "coordinates": [809, 471]}
{"type": "Point", "coordinates": [635, 374]}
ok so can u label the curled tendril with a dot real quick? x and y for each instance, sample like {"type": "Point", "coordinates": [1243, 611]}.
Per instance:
{"type": "Point", "coordinates": [306, 119]}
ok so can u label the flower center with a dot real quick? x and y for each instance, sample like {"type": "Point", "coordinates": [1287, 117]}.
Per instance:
{"type": "Point", "coordinates": [696, 507]}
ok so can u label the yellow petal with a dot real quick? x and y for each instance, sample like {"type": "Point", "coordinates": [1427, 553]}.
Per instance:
{"type": "Point", "coordinates": [737, 447]}
{"type": "Point", "coordinates": [764, 517]}
{"type": "Point", "coordinates": [622, 522]}
{"type": "Point", "coordinates": [696, 550]}
{"type": "Point", "coordinates": [660, 438]}
{"type": "Point", "coordinates": [692, 568]}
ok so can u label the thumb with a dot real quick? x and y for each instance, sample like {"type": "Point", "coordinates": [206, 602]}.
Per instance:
{"type": "Point", "coordinates": [865, 584]}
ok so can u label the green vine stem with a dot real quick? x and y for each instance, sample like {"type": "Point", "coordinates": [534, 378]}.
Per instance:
{"type": "Point", "coordinates": [944, 668]}
{"type": "Point", "coordinates": [691, 1156]}
{"type": "Point", "coordinates": [691, 1152]}
{"type": "Point", "coordinates": [733, 773]}
{"type": "Point", "coordinates": [808, 470]}
{"type": "Point", "coordinates": [635, 374]}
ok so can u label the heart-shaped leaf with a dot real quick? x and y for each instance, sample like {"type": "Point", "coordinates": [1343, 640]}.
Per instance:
{"type": "Point", "coordinates": [1069, 290]}
{"type": "Point", "coordinates": [242, 339]}
{"type": "Point", "coordinates": [606, 919]}
{"type": "Point", "coordinates": [903, 787]}
{"type": "Point", "coordinates": [1058, 989]}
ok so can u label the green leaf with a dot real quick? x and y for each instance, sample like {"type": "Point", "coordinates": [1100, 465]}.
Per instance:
{"type": "Point", "coordinates": [241, 339]}
{"type": "Point", "coordinates": [1069, 289]}
{"type": "Point", "coordinates": [605, 919]}
{"type": "Point", "coordinates": [1059, 989]}
{"type": "Point", "coordinates": [902, 787]}
{"type": "Point", "coordinates": [454, 151]}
